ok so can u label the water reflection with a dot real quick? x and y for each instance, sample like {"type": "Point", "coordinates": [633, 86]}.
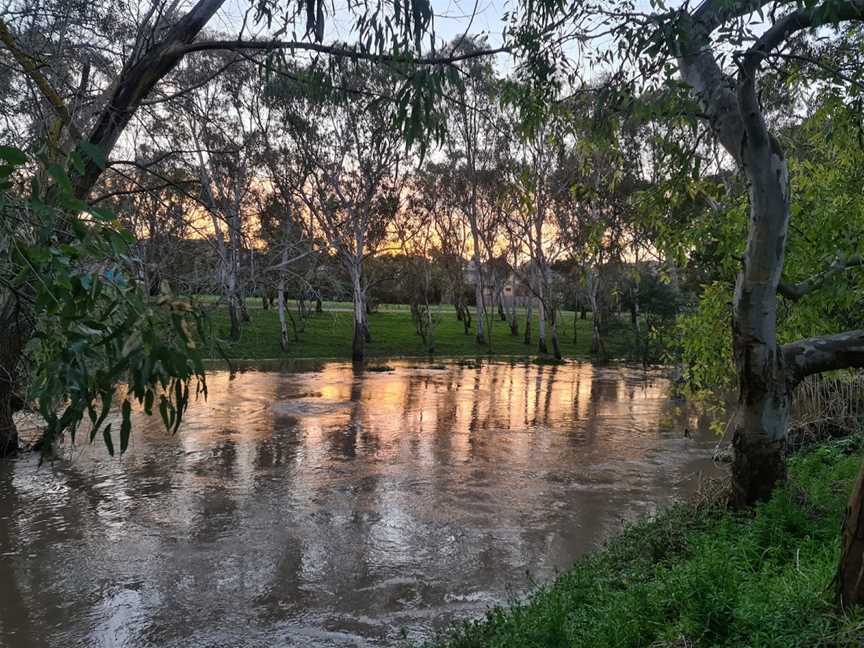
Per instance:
{"type": "Point", "coordinates": [334, 508]}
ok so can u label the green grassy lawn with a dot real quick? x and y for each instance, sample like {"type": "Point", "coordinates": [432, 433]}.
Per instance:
{"type": "Point", "coordinates": [702, 576]}
{"type": "Point", "coordinates": [329, 335]}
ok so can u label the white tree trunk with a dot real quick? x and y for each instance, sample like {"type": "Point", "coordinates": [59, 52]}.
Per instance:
{"type": "Point", "coordinates": [283, 323]}
{"type": "Point", "coordinates": [358, 347]}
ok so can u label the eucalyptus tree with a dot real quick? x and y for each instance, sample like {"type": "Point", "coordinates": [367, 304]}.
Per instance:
{"type": "Point", "coordinates": [539, 183]}
{"type": "Point", "coordinates": [287, 226]}
{"type": "Point", "coordinates": [353, 161]}
{"type": "Point", "coordinates": [437, 193]}
{"type": "Point", "coordinates": [725, 53]}
{"type": "Point", "coordinates": [90, 70]}
{"type": "Point", "coordinates": [473, 145]}
{"type": "Point", "coordinates": [223, 124]}
{"type": "Point", "coordinates": [419, 242]}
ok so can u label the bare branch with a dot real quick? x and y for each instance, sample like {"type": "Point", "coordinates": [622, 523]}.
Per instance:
{"type": "Point", "coordinates": [797, 290]}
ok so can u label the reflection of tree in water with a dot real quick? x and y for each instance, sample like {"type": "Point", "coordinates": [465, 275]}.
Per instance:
{"type": "Point", "coordinates": [446, 419]}
{"type": "Point", "coordinates": [550, 382]}
{"type": "Point", "coordinates": [475, 424]}
{"type": "Point", "coordinates": [281, 446]}
{"type": "Point", "coordinates": [16, 609]}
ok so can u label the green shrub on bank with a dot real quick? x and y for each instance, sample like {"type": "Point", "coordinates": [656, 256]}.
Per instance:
{"type": "Point", "coordinates": [702, 576]}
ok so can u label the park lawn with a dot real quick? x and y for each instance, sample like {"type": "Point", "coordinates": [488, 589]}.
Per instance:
{"type": "Point", "coordinates": [329, 335]}
{"type": "Point", "coordinates": [700, 575]}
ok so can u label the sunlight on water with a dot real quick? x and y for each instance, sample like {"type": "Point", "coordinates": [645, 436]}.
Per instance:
{"type": "Point", "coordinates": [336, 507]}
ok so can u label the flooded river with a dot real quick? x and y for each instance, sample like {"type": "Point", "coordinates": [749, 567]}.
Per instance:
{"type": "Point", "coordinates": [336, 507]}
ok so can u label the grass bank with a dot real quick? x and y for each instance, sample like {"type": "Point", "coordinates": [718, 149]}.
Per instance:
{"type": "Point", "coordinates": [702, 576]}
{"type": "Point", "coordinates": [329, 335]}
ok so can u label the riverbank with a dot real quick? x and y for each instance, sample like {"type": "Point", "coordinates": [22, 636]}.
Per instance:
{"type": "Point", "coordinates": [329, 335]}
{"type": "Point", "coordinates": [698, 575]}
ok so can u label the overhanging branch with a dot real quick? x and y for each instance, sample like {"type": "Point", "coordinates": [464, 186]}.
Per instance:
{"type": "Point", "coordinates": [796, 291]}
{"type": "Point", "coordinates": [825, 353]}
{"type": "Point", "coordinates": [333, 50]}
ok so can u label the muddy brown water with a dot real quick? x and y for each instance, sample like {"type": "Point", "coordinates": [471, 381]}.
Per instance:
{"type": "Point", "coordinates": [337, 507]}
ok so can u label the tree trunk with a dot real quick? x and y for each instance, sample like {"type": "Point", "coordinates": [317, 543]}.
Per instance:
{"type": "Point", "coordinates": [552, 320]}
{"type": "Point", "coordinates": [597, 345]}
{"type": "Point", "coordinates": [478, 299]}
{"type": "Point", "coordinates": [8, 431]}
{"type": "Point", "coordinates": [358, 344]}
{"type": "Point", "coordinates": [764, 399]}
{"type": "Point", "coordinates": [849, 582]}
{"type": "Point", "coordinates": [235, 307]}
{"type": "Point", "coordinates": [528, 317]}
{"type": "Point", "coordinates": [541, 327]}
{"type": "Point", "coordinates": [233, 317]}
{"type": "Point", "coordinates": [12, 336]}
{"type": "Point", "coordinates": [283, 323]}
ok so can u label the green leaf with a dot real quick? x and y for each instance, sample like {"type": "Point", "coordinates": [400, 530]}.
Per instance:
{"type": "Point", "coordinates": [109, 442]}
{"type": "Point", "coordinates": [125, 426]}
{"type": "Point", "coordinates": [93, 152]}
{"type": "Point", "coordinates": [13, 156]}
{"type": "Point", "coordinates": [59, 174]}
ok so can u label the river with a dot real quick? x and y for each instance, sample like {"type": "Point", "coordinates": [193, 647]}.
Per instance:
{"type": "Point", "coordinates": [337, 507]}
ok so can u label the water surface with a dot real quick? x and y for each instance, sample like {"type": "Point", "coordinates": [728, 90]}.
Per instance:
{"type": "Point", "coordinates": [337, 507]}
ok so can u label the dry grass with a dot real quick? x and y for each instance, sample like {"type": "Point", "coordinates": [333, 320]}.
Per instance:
{"type": "Point", "coordinates": [826, 407]}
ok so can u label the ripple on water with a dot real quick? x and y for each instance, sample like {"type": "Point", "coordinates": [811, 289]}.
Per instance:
{"type": "Point", "coordinates": [333, 508]}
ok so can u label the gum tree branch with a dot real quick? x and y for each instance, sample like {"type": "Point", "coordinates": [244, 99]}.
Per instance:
{"type": "Point", "coordinates": [796, 291]}
{"type": "Point", "coordinates": [824, 353]}
{"type": "Point", "coordinates": [333, 50]}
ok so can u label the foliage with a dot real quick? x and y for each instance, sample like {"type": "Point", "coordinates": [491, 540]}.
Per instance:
{"type": "Point", "coordinates": [827, 162]}
{"type": "Point", "coordinates": [702, 576]}
{"type": "Point", "coordinates": [67, 265]}
{"type": "Point", "coordinates": [704, 336]}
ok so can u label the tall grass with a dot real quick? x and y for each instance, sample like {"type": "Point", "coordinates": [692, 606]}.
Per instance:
{"type": "Point", "coordinates": [826, 407]}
